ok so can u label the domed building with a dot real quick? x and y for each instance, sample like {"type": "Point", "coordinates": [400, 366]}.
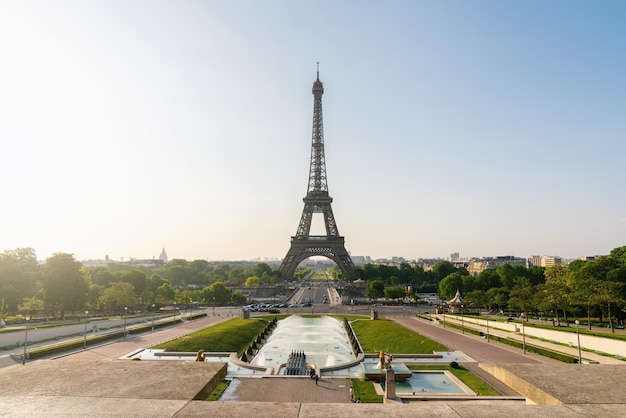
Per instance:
{"type": "Point", "coordinates": [163, 256]}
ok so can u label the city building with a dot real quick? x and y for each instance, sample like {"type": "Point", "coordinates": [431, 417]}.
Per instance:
{"type": "Point", "coordinates": [476, 267]}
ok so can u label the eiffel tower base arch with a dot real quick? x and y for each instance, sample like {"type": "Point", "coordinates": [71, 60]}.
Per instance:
{"type": "Point", "coordinates": [301, 249]}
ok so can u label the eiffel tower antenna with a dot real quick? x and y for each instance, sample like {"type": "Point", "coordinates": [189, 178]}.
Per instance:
{"type": "Point", "coordinates": [317, 200]}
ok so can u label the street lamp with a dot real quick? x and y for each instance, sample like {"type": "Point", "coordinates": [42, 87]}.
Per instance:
{"type": "Point", "coordinates": [191, 309]}
{"type": "Point", "coordinates": [25, 340]}
{"type": "Point", "coordinates": [523, 333]}
{"type": "Point", "coordinates": [580, 359]}
{"type": "Point", "coordinates": [213, 305]}
{"type": "Point", "coordinates": [444, 316]}
{"type": "Point", "coordinates": [153, 317]}
{"type": "Point", "coordinates": [462, 321]}
{"type": "Point", "coordinates": [487, 319]}
{"type": "Point", "coordinates": [85, 334]}
{"type": "Point", "coordinates": [125, 311]}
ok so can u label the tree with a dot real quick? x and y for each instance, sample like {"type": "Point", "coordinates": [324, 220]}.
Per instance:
{"type": "Point", "coordinates": [137, 278]}
{"type": "Point", "coordinates": [31, 305]}
{"type": "Point", "coordinates": [177, 272]}
{"type": "Point", "coordinates": [584, 290]}
{"type": "Point", "coordinates": [3, 313]}
{"type": "Point", "coordinates": [619, 254]}
{"type": "Point", "coordinates": [488, 279]}
{"type": "Point", "coordinates": [498, 296]}
{"type": "Point", "coordinates": [165, 292]}
{"type": "Point", "coordinates": [217, 293]}
{"type": "Point", "coordinates": [449, 285]}
{"type": "Point", "coordinates": [253, 281]}
{"type": "Point", "coordinates": [19, 274]}
{"type": "Point", "coordinates": [443, 269]}
{"type": "Point", "coordinates": [555, 293]}
{"type": "Point", "coordinates": [609, 293]}
{"type": "Point", "coordinates": [478, 297]}
{"type": "Point", "coordinates": [65, 287]}
{"type": "Point", "coordinates": [395, 292]}
{"type": "Point", "coordinates": [117, 296]}
{"type": "Point", "coordinates": [239, 298]}
{"type": "Point", "coordinates": [521, 296]}
{"type": "Point", "coordinates": [99, 275]}
{"type": "Point", "coordinates": [375, 289]}
{"type": "Point", "coordinates": [236, 277]}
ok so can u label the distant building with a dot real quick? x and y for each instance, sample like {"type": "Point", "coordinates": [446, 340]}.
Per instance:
{"type": "Point", "coordinates": [476, 267]}
{"type": "Point", "coordinates": [360, 260]}
{"type": "Point", "coordinates": [454, 257]}
{"type": "Point", "coordinates": [543, 261]}
{"type": "Point", "coordinates": [152, 263]}
{"type": "Point", "coordinates": [163, 256]}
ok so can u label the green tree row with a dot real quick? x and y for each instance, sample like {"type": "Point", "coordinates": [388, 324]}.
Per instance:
{"type": "Point", "coordinates": [62, 285]}
{"type": "Point", "coordinates": [595, 288]}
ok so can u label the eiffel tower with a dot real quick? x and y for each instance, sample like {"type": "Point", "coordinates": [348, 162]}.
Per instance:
{"type": "Point", "coordinates": [317, 200]}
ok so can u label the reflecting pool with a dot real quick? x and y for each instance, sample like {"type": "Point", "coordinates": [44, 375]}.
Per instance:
{"type": "Point", "coordinates": [432, 383]}
{"type": "Point", "coordinates": [323, 340]}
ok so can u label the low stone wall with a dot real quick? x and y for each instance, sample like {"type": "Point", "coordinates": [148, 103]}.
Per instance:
{"type": "Point", "coordinates": [533, 394]}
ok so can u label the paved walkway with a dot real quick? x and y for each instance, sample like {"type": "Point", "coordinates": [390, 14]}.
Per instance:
{"type": "Point", "coordinates": [118, 348]}
{"type": "Point", "coordinates": [288, 389]}
{"type": "Point", "coordinates": [571, 351]}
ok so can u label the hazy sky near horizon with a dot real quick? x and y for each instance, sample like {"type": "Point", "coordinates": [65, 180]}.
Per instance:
{"type": "Point", "coordinates": [485, 127]}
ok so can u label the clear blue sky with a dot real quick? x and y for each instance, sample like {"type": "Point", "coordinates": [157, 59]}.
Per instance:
{"type": "Point", "coordinates": [483, 127]}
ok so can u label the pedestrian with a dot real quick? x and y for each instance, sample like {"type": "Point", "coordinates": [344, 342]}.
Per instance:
{"type": "Point", "coordinates": [351, 394]}
{"type": "Point", "coordinates": [317, 376]}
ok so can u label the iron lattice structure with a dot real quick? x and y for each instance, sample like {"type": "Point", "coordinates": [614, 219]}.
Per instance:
{"type": "Point", "coordinates": [317, 200]}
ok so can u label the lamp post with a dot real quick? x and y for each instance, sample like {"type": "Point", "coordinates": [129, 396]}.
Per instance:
{"type": "Point", "coordinates": [125, 311]}
{"type": "Point", "coordinates": [213, 305]}
{"type": "Point", "coordinates": [190, 309]}
{"type": "Point", "coordinates": [462, 319]}
{"type": "Point", "coordinates": [523, 333]}
{"type": "Point", "coordinates": [417, 300]}
{"type": "Point", "coordinates": [85, 334]}
{"type": "Point", "coordinates": [580, 359]}
{"type": "Point", "coordinates": [487, 319]}
{"type": "Point", "coordinates": [25, 340]}
{"type": "Point", "coordinates": [153, 317]}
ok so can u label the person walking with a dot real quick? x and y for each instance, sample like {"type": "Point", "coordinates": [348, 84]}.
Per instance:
{"type": "Point", "coordinates": [351, 394]}
{"type": "Point", "coordinates": [317, 376]}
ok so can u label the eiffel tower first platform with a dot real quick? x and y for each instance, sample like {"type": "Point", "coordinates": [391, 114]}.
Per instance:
{"type": "Point", "coordinates": [317, 200]}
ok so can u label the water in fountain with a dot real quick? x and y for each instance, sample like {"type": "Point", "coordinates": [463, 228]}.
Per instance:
{"type": "Point", "coordinates": [323, 340]}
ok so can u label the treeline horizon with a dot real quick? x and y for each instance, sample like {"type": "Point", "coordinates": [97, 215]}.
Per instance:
{"type": "Point", "coordinates": [62, 284]}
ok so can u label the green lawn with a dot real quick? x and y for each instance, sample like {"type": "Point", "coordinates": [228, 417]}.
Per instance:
{"type": "Point", "coordinates": [388, 336]}
{"type": "Point", "coordinates": [234, 335]}
{"type": "Point", "coordinates": [364, 390]}
{"type": "Point", "coordinates": [218, 391]}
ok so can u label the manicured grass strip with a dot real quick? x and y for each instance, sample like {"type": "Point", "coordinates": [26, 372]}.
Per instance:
{"type": "Point", "coordinates": [388, 336]}
{"type": "Point", "coordinates": [234, 335]}
{"type": "Point", "coordinates": [218, 391]}
{"type": "Point", "coordinates": [364, 390]}
{"type": "Point", "coordinates": [470, 379]}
